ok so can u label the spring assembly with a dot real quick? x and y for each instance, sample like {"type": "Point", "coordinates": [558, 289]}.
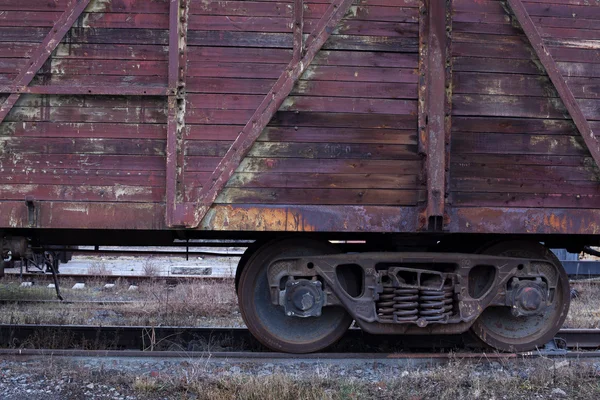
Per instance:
{"type": "Point", "coordinates": [398, 305]}
{"type": "Point", "coordinates": [406, 306]}
{"type": "Point", "coordinates": [436, 305]}
{"type": "Point", "coordinates": [385, 305]}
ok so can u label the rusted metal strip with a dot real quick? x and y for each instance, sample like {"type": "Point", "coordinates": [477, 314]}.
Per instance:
{"type": "Point", "coordinates": [298, 29]}
{"type": "Point", "coordinates": [41, 54]}
{"type": "Point", "coordinates": [266, 110]}
{"type": "Point", "coordinates": [565, 93]}
{"type": "Point", "coordinates": [178, 21]}
{"type": "Point", "coordinates": [434, 108]}
{"type": "Point", "coordinates": [87, 90]}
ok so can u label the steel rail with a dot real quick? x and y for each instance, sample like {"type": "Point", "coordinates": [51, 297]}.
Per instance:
{"type": "Point", "coordinates": [169, 279]}
{"type": "Point", "coordinates": [232, 356]}
{"type": "Point", "coordinates": [150, 337]}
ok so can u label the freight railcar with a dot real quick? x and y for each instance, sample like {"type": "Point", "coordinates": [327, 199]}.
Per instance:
{"type": "Point", "coordinates": [449, 144]}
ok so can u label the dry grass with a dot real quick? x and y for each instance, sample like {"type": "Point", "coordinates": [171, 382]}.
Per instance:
{"type": "Point", "coordinates": [190, 303]}
{"type": "Point", "coordinates": [585, 308]}
{"type": "Point", "coordinates": [149, 268]}
{"type": "Point", "coordinates": [457, 380]}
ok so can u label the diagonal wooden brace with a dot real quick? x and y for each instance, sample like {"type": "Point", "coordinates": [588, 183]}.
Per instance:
{"type": "Point", "coordinates": [267, 109]}
{"type": "Point", "coordinates": [41, 54]}
{"type": "Point", "coordinates": [585, 130]}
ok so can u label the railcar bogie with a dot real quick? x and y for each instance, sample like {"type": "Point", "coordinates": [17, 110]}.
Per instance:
{"type": "Point", "coordinates": [300, 295]}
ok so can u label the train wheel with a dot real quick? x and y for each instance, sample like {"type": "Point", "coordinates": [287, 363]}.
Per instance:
{"type": "Point", "coordinates": [499, 328]}
{"type": "Point", "coordinates": [267, 322]}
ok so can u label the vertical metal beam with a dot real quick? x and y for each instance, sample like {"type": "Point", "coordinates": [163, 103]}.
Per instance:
{"type": "Point", "coordinates": [178, 22]}
{"type": "Point", "coordinates": [41, 54]}
{"type": "Point", "coordinates": [298, 29]}
{"type": "Point", "coordinates": [585, 130]}
{"type": "Point", "coordinates": [434, 107]}
{"type": "Point", "coordinates": [267, 109]}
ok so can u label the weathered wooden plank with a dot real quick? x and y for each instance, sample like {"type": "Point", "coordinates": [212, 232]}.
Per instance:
{"type": "Point", "coordinates": [465, 143]}
{"type": "Point", "coordinates": [516, 172]}
{"type": "Point", "coordinates": [280, 165]}
{"type": "Point", "coordinates": [305, 87]}
{"type": "Point", "coordinates": [514, 125]}
{"type": "Point", "coordinates": [355, 105]}
{"type": "Point", "coordinates": [84, 162]}
{"type": "Point", "coordinates": [478, 161]}
{"type": "Point", "coordinates": [568, 9]}
{"type": "Point", "coordinates": [499, 51]}
{"type": "Point", "coordinates": [524, 185]}
{"type": "Point", "coordinates": [33, 100]}
{"type": "Point", "coordinates": [85, 66]}
{"type": "Point", "coordinates": [283, 25]}
{"type": "Point", "coordinates": [264, 149]}
{"type": "Point", "coordinates": [569, 33]}
{"type": "Point", "coordinates": [81, 193]}
{"type": "Point", "coordinates": [84, 177]}
{"type": "Point", "coordinates": [45, 145]}
{"type": "Point", "coordinates": [126, 85]}
{"type": "Point", "coordinates": [475, 16]}
{"type": "Point", "coordinates": [311, 11]}
{"type": "Point", "coordinates": [494, 65]}
{"type": "Point", "coordinates": [87, 19]}
{"type": "Point", "coordinates": [84, 215]}
{"type": "Point", "coordinates": [574, 54]}
{"type": "Point", "coordinates": [360, 74]}
{"type": "Point", "coordinates": [331, 120]}
{"type": "Point", "coordinates": [87, 114]}
{"type": "Point", "coordinates": [91, 51]}
{"type": "Point", "coordinates": [89, 35]}
{"type": "Point", "coordinates": [282, 56]}
{"type": "Point", "coordinates": [235, 70]}
{"type": "Point", "coordinates": [485, 28]}
{"type": "Point", "coordinates": [235, 117]}
{"type": "Point", "coordinates": [334, 181]}
{"type": "Point", "coordinates": [565, 22]}
{"type": "Point", "coordinates": [319, 196]}
{"type": "Point", "coordinates": [505, 85]}
{"type": "Point", "coordinates": [305, 103]}
{"type": "Point", "coordinates": [284, 40]}
{"type": "Point", "coordinates": [304, 134]}
{"type": "Point", "coordinates": [533, 200]}
{"type": "Point", "coordinates": [510, 106]}
{"type": "Point", "coordinates": [571, 69]}
{"type": "Point", "coordinates": [138, 6]}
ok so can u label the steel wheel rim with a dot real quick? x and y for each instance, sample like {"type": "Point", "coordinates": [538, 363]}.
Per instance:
{"type": "Point", "coordinates": [268, 323]}
{"type": "Point", "coordinates": [524, 333]}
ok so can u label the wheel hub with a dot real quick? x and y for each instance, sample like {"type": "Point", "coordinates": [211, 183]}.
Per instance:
{"type": "Point", "coordinates": [528, 297]}
{"type": "Point", "coordinates": [302, 298]}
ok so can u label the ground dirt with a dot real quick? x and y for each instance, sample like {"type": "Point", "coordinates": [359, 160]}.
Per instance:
{"type": "Point", "coordinates": [129, 379]}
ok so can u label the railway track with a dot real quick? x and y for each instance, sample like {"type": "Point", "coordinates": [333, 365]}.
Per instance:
{"type": "Point", "coordinates": [170, 279]}
{"type": "Point", "coordinates": [165, 338]}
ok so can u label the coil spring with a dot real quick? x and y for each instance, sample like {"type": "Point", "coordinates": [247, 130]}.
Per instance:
{"type": "Point", "coordinates": [398, 305]}
{"type": "Point", "coordinates": [435, 305]}
{"type": "Point", "coordinates": [385, 305]}
{"type": "Point", "coordinates": [406, 305]}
